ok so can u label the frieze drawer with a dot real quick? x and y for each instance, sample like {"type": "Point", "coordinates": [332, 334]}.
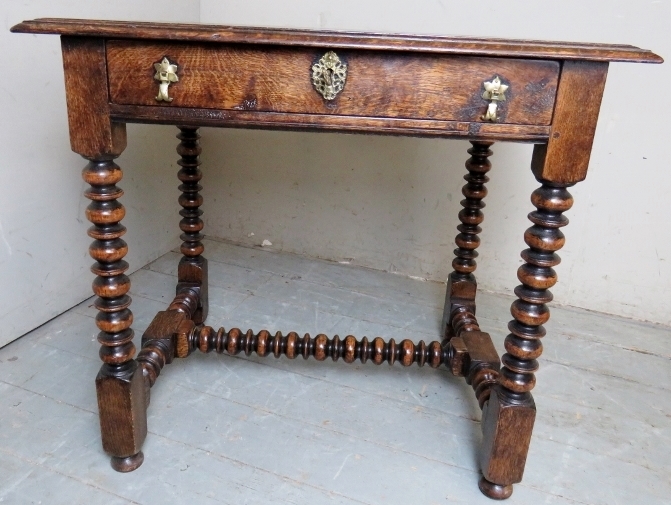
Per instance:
{"type": "Point", "coordinates": [378, 83]}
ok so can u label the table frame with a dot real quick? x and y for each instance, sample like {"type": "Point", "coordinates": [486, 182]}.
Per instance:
{"type": "Point", "coordinates": [560, 160]}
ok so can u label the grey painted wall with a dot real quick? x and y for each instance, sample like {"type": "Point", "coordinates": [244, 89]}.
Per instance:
{"type": "Point", "coordinates": [392, 203]}
{"type": "Point", "coordinates": [44, 262]}
{"type": "Point", "coordinates": [387, 203]}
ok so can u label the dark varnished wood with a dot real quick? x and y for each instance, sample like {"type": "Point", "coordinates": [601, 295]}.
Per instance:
{"type": "Point", "coordinates": [509, 417]}
{"type": "Point", "coordinates": [471, 216]}
{"type": "Point", "coordinates": [472, 353]}
{"type": "Point", "coordinates": [108, 249]}
{"type": "Point", "coordinates": [125, 465]}
{"type": "Point", "coordinates": [207, 339]}
{"type": "Point", "coordinates": [92, 132]}
{"type": "Point", "coordinates": [122, 407]}
{"type": "Point", "coordinates": [120, 385]}
{"type": "Point", "coordinates": [158, 344]}
{"type": "Point", "coordinates": [507, 423]}
{"type": "Point", "coordinates": [379, 84]}
{"type": "Point", "coordinates": [190, 199]}
{"type": "Point", "coordinates": [461, 284]}
{"type": "Point", "coordinates": [397, 85]}
{"type": "Point", "coordinates": [495, 491]}
{"type": "Point", "coordinates": [353, 40]}
{"type": "Point", "coordinates": [565, 158]}
{"type": "Point", "coordinates": [192, 269]}
{"type": "Point", "coordinates": [327, 122]}
{"type": "Point", "coordinates": [186, 301]}
{"type": "Point", "coordinates": [530, 311]}
{"type": "Point", "coordinates": [479, 361]}
{"type": "Point", "coordinates": [483, 363]}
{"type": "Point", "coordinates": [160, 340]}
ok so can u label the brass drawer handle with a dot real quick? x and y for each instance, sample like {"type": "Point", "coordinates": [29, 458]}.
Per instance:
{"type": "Point", "coordinates": [495, 91]}
{"type": "Point", "coordinates": [329, 75]}
{"type": "Point", "coordinates": [166, 74]}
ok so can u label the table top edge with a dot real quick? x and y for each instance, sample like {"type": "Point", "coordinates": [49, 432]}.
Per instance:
{"type": "Point", "coordinates": [339, 39]}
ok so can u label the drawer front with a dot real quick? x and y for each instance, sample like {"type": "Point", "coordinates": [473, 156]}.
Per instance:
{"type": "Point", "coordinates": [378, 84]}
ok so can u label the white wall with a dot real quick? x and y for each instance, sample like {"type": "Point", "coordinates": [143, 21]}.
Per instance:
{"type": "Point", "coordinates": [44, 263]}
{"type": "Point", "coordinates": [391, 203]}
{"type": "Point", "coordinates": [388, 203]}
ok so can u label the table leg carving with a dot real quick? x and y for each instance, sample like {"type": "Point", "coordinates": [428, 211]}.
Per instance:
{"type": "Point", "coordinates": [192, 271]}
{"type": "Point", "coordinates": [119, 384]}
{"type": "Point", "coordinates": [461, 284]}
{"type": "Point", "coordinates": [509, 415]}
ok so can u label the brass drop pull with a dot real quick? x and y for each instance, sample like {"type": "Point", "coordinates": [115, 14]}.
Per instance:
{"type": "Point", "coordinates": [329, 75]}
{"type": "Point", "coordinates": [166, 73]}
{"type": "Point", "coordinates": [495, 91]}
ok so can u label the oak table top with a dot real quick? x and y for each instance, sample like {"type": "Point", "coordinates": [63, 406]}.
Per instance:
{"type": "Point", "coordinates": [339, 39]}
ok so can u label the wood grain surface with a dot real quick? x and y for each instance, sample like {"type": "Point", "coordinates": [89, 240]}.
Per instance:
{"type": "Point", "coordinates": [565, 158]}
{"type": "Point", "coordinates": [324, 122]}
{"type": "Point", "coordinates": [358, 40]}
{"type": "Point", "coordinates": [378, 84]}
{"type": "Point", "coordinates": [91, 132]}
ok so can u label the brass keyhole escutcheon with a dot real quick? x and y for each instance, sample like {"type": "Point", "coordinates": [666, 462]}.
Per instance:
{"type": "Point", "coordinates": [329, 75]}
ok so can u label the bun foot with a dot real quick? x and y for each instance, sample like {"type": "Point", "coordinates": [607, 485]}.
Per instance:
{"type": "Point", "coordinates": [495, 491]}
{"type": "Point", "coordinates": [131, 463]}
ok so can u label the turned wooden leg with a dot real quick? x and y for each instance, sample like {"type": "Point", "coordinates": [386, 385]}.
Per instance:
{"type": "Point", "coordinates": [189, 307]}
{"type": "Point", "coordinates": [461, 284]}
{"type": "Point", "coordinates": [509, 414]}
{"type": "Point", "coordinates": [192, 272]}
{"type": "Point", "coordinates": [119, 384]}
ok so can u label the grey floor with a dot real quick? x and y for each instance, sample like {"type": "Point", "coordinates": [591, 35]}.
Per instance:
{"type": "Point", "coordinates": [236, 430]}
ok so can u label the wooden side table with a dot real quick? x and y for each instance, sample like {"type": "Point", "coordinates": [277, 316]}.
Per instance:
{"type": "Point", "coordinates": [485, 90]}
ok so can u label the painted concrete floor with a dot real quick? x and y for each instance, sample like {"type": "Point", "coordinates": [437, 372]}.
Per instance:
{"type": "Point", "coordinates": [242, 430]}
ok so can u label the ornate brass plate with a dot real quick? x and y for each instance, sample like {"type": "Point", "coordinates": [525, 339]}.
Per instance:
{"type": "Point", "coordinates": [329, 75]}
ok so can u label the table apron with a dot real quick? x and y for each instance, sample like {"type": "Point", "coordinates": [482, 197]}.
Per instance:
{"type": "Point", "coordinates": [379, 84]}
{"type": "Point", "coordinates": [324, 122]}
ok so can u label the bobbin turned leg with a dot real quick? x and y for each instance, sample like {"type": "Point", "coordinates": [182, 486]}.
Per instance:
{"type": "Point", "coordinates": [473, 353]}
{"type": "Point", "coordinates": [189, 307]}
{"type": "Point", "coordinates": [119, 384]}
{"type": "Point", "coordinates": [508, 417]}
{"type": "Point", "coordinates": [192, 271]}
{"type": "Point", "coordinates": [461, 284]}
{"type": "Point", "coordinates": [563, 161]}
